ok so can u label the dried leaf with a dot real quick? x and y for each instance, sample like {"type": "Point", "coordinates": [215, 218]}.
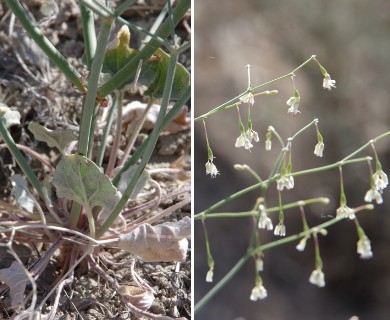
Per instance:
{"type": "Point", "coordinates": [8, 116]}
{"type": "Point", "coordinates": [23, 196]}
{"type": "Point", "coordinates": [16, 279]}
{"type": "Point", "coordinates": [163, 242]}
{"type": "Point", "coordinates": [138, 297]}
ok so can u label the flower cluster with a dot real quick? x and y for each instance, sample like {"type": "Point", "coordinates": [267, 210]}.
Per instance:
{"type": "Point", "coordinates": [211, 169]}
{"type": "Point", "coordinates": [258, 293]}
{"type": "Point", "coordinates": [364, 248]}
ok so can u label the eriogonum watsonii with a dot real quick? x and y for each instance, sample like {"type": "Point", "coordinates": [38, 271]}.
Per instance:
{"type": "Point", "coordinates": [328, 83]}
{"type": "Point", "coordinates": [280, 230]}
{"type": "Point", "coordinates": [364, 248]}
{"type": "Point", "coordinates": [258, 293]}
{"type": "Point", "coordinates": [264, 221]}
{"type": "Point", "coordinates": [345, 212]}
{"type": "Point", "coordinates": [317, 278]}
{"type": "Point", "coordinates": [373, 194]}
{"type": "Point", "coordinates": [211, 169]}
{"type": "Point", "coordinates": [319, 149]}
{"type": "Point", "coordinates": [380, 179]}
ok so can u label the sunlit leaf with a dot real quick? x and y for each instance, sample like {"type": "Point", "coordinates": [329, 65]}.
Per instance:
{"type": "Point", "coordinates": [54, 138]}
{"type": "Point", "coordinates": [16, 279]}
{"type": "Point", "coordinates": [22, 194]}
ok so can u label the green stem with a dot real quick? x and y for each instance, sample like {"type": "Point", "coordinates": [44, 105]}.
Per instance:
{"type": "Point", "coordinates": [47, 47]}
{"type": "Point", "coordinates": [88, 33]}
{"type": "Point", "coordinates": [148, 149]}
{"type": "Point", "coordinates": [20, 159]}
{"type": "Point", "coordinates": [202, 302]}
{"type": "Point", "coordinates": [90, 99]}
{"type": "Point", "coordinates": [265, 182]}
{"type": "Point", "coordinates": [255, 213]}
{"type": "Point", "coordinates": [129, 69]}
{"type": "Point", "coordinates": [230, 104]}
{"type": "Point", "coordinates": [106, 132]}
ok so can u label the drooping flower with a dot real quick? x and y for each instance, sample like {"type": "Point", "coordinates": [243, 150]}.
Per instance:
{"type": "Point", "coordinates": [252, 135]}
{"type": "Point", "coordinates": [319, 149]}
{"type": "Point", "coordinates": [364, 248]}
{"type": "Point", "coordinates": [293, 103]}
{"type": "Point", "coordinates": [345, 212]}
{"type": "Point", "coordinates": [302, 244]}
{"type": "Point", "coordinates": [317, 278]}
{"type": "Point", "coordinates": [248, 98]}
{"type": "Point", "coordinates": [328, 83]}
{"type": "Point", "coordinates": [211, 169]}
{"type": "Point", "coordinates": [209, 276]}
{"type": "Point", "coordinates": [243, 141]}
{"type": "Point", "coordinates": [258, 293]}
{"type": "Point", "coordinates": [264, 221]}
{"type": "Point", "coordinates": [380, 179]}
{"type": "Point", "coordinates": [286, 181]}
{"type": "Point", "coordinates": [373, 194]}
{"type": "Point", "coordinates": [280, 230]}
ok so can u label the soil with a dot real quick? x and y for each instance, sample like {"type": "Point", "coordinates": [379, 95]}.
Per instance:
{"type": "Point", "coordinates": [29, 84]}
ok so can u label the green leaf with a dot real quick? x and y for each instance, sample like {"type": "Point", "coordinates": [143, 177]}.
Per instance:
{"type": "Point", "coordinates": [54, 138]}
{"type": "Point", "coordinates": [8, 116]}
{"type": "Point", "coordinates": [78, 178]}
{"type": "Point", "coordinates": [153, 71]}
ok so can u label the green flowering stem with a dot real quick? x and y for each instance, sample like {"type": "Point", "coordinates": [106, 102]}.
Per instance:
{"type": "Point", "coordinates": [343, 198]}
{"type": "Point", "coordinates": [254, 212]}
{"type": "Point", "coordinates": [233, 102]}
{"type": "Point", "coordinates": [275, 177]}
{"type": "Point", "coordinates": [47, 47]}
{"type": "Point", "coordinates": [20, 159]}
{"type": "Point", "coordinates": [318, 260]}
{"type": "Point", "coordinates": [90, 99]}
{"type": "Point", "coordinates": [130, 68]}
{"type": "Point", "coordinates": [206, 298]}
{"type": "Point", "coordinates": [250, 253]}
{"type": "Point", "coordinates": [149, 148]}
{"type": "Point", "coordinates": [369, 143]}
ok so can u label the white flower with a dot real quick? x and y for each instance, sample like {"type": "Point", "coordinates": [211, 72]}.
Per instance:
{"type": "Point", "coordinates": [328, 83]}
{"type": "Point", "coordinates": [302, 244]}
{"type": "Point", "coordinates": [373, 194]}
{"type": "Point", "coordinates": [248, 98]}
{"type": "Point", "coordinates": [285, 181]}
{"type": "Point", "coordinates": [209, 276]}
{"type": "Point", "coordinates": [280, 230]}
{"type": "Point", "coordinates": [344, 212]}
{"type": "Point", "coordinates": [268, 145]}
{"type": "Point", "coordinates": [243, 141]}
{"type": "Point", "coordinates": [265, 222]}
{"type": "Point", "coordinates": [252, 135]}
{"type": "Point", "coordinates": [293, 103]}
{"type": "Point", "coordinates": [364, 248]}
{"type": "Point", "coordinates": [211, 169]}
{"type": "Point", "coordinates": [380, 180]}
{"type": "Point", "coordinates": [258, 293]}
{"type": "Point", "coordinates": [319, 149]}
{"type": "Point", "coordinates": [317, 278]}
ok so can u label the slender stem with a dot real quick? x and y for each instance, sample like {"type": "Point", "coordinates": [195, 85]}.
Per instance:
{"type": "Point", "coordinates": [20, 159]}
{"type": "Point", "coordinates": [116, 143]}
{"type": "Point", "coordinates": [106, 132]}
{"type": "Point", "coordinates": [53, 54]}
{"type": "Point", "coordinates": [88, 33]}
{"type": "Point", "coordinates": [229, 104]}
{"type": "Point", "coordinates": [134, 134]}
{"type": "Point", "coordinates": [90, 99]}
{"type": "Point", "coordinates": [148, 149]}
{"type": "Point", "coordinates": [265, 182]}
{"type": "Point", "coordinates": [205, 299]}
{"type": "Point", "coordinates": [255, 213]}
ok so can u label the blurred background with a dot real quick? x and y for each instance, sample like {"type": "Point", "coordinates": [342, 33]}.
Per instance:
{"type": "Point", "coordinates": [351, 40]}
